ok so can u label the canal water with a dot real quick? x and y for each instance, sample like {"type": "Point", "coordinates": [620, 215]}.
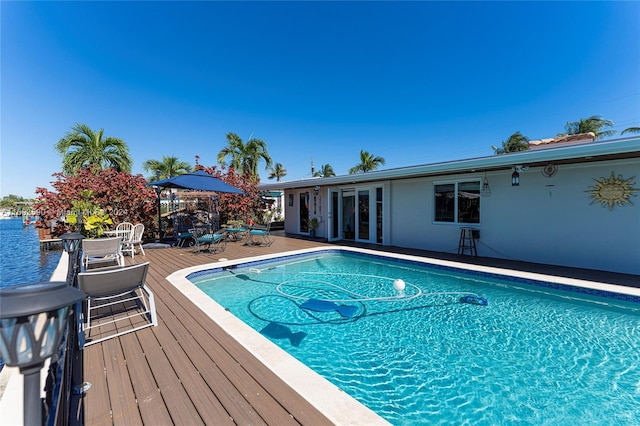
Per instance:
{"type": "Point", "coordinates": [21, 260]}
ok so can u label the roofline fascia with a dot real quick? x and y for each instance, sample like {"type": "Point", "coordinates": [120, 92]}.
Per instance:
{"type": "Point", "coordinates": [506, 161]}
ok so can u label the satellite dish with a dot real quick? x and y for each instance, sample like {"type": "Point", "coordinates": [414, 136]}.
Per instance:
{"type": "Point", "coordinates": [549, 170]}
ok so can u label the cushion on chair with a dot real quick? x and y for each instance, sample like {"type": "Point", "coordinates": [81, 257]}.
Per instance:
{"type": "Point", "coordinates": [209, 238]}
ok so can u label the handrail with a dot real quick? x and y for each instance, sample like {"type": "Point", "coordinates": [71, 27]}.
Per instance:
{"type": "Point", "coordinates": [65, 371]}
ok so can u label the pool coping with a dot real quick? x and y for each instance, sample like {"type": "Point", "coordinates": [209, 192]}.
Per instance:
{"type": "Point", "coordinates": [337, 405]}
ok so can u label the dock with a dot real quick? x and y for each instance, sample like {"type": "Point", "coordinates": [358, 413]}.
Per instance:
{"type": "Point", "coordinates": [46, 244]}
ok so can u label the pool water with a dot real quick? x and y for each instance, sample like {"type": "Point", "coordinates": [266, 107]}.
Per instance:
{"type": "Point", "coordinates": [533, 355]}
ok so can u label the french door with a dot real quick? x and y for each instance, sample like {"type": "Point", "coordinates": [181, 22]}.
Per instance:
{"type": "Point", "coordinates": [355, 214]}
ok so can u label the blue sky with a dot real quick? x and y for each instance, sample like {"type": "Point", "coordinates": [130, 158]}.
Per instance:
{"type": "Point", "coordinates": [414, 83]}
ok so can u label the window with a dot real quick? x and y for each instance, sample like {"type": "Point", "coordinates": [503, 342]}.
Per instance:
{"type": "Point", "coordinates": [457, 202]}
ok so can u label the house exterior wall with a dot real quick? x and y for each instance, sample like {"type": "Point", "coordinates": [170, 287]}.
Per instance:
{"type": "Point", "coordinates": [543, 220]}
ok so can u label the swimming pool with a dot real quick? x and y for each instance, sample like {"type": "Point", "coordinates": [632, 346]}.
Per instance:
{"type": "Point", "coordinates": [533, 355]}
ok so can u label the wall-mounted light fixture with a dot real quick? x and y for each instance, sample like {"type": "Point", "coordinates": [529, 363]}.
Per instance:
{"type": "Point", "coordinates": [316, 190]}
{"type": "Point", "coordinates": [33, 320]}
{"type": "Point", "coordinates": [485, 191]}
{"type": "Point", "coordinates": [515, 176]}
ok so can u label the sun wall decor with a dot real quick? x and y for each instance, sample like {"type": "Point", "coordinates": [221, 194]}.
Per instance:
{"type": "Point", "coordinates": [613, 191]}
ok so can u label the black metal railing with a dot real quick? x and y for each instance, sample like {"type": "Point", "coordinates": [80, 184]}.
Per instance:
{"type": "Point", "coordinates": [65, 371]}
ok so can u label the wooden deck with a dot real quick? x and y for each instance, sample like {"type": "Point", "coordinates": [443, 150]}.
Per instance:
{"type": "Point", "coordinates": [187, 370]}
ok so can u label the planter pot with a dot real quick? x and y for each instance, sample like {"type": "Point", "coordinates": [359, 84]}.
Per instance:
{"type": "Point", "coordinates": [312, 233]}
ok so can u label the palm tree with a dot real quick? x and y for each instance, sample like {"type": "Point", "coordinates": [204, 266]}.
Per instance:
{"type": "Point", "coordinates": [517, 142]}
{"type": "Point", "coordinates": [594, 124]}
{"type": "Point", "coordinates": [167, 168]}
{"type": "Point", "coordinates": [277, 172]}
{"type": "Point", "coordinates": [631, 130]}
{"type": "Point", "coordinates": [367, 163]}
{"type": "Point", "coordinates": [83, 147]}
{"type": "Point", "coordinates": [325, 171]}
{"type": "Point", "coordinates": [245, 157]}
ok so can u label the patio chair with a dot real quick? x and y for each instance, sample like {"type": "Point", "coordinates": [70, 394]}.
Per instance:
{"type": "Point", "coordinates": [102, 252]}
{"type": "Point", "coordinates": [123, 230]}
{"type": "Point", "coordinates": [214, 242]}
{"type": "Point", "coordinates": [118, 302]}
{"type": "Point", "coordinates": [259, 236]}
{"type": "Point", "coordinates": [186, 239]}
{"type": "Point", "coordinates": [135, 238]}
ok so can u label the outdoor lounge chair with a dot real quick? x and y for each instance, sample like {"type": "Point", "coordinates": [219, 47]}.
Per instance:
{"type": "Point", "coordinates": [102, 251]}
{"type": "Point", "coordinates": [186, 239]}
{"type": "Point", "coordinates": [119, 293]}
{"type": "Point", "coordinates": [214, 242]}
{"type": "Point", "coordinates": [259, 236]}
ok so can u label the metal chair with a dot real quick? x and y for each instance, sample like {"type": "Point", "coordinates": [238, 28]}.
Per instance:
{"type": "Point", "coordinates": [259, 236]}
{"type": "Point", "coordinates": [120, 293]}
{"type": "Point", "coordinates": [214, 242]}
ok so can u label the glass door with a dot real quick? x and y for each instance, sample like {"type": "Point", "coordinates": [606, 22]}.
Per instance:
{"type": "Point", "coordinates": [304, 211]}
{"type": "Point", "coordinates": [348, 215]}
{"type": "Point", "coordinates": [363, 215]}
{"type": "Point", "coordinates": [333, 215]}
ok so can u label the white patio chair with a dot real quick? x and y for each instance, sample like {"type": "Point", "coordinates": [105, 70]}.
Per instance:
{"type": "Point", "coordinates": [102, 251]}
{"type": "Point", "coordinates": [135, 238]}
{"type": "Point", "coordinates": [119, 293]}
{"type": "Point", "coordinates": [123, 230]}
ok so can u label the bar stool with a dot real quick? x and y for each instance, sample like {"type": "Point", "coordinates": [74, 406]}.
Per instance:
{"type": "Point", "coordinates": [467, 241]}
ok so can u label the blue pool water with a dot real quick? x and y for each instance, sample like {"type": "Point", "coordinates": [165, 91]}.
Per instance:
{"type": "Point", "coordinates": [533, 355]}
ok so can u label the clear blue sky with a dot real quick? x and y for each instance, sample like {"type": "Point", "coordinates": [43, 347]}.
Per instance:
{"type": "Point", "coordinates": [415, 82]}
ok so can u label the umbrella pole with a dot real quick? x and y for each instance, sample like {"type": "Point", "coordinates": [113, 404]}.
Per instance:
{"type": "Point", "coordinates": [158, 190]}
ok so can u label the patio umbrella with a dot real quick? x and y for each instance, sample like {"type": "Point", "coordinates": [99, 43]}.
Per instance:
{"type": "Point", "coordinates": [197, 181]}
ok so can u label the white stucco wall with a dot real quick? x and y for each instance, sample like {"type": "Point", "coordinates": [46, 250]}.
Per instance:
{"type": "Point", "coordinates": [544, 220]}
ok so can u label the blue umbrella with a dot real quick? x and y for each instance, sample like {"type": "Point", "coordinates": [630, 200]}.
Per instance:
{"type": "Point", "coordinates": [199, 181]}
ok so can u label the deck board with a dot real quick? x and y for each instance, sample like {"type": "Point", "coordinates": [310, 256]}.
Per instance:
{"type": "Point", "coordinates": [144, 376]}
{"type": "Point", "coordinates": [187, 370]}
{"type": "Point", "coordinates": [124, 409]}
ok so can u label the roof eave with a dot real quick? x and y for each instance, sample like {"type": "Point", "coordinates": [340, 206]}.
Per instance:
{"type": "Point", "coordinates": [587, 152]}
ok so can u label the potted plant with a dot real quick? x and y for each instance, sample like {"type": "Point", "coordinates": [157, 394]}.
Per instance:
{"type": "Point", "coordinates": [313, 225]}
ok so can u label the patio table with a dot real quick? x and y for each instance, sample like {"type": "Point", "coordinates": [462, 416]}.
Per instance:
{"type": "Point", "coordinates": [123, 234]}
{"type": "Point", "coordinates": [235, 234]}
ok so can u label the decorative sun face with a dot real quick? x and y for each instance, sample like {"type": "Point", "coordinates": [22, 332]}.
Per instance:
{"type": "Point", "coordinates": [612, 191]}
